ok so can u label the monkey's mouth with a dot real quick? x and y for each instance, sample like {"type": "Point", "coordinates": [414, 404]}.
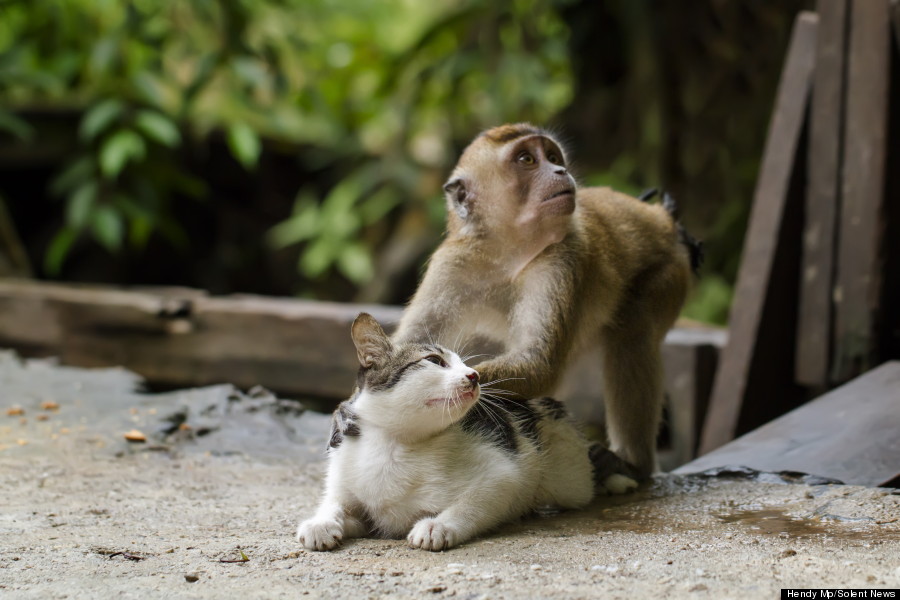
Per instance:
{"type": "Point", "coordinates": [570, 192]}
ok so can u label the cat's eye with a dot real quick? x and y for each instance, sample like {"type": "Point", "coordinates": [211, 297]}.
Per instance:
{"type": "Point", "coordinates": [434, 358]}
{"type": "Point", "coordinates": [525, 159]}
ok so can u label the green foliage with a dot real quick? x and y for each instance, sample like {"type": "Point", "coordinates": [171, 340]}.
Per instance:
{"type": "Point", "coordinates": [370, 90]}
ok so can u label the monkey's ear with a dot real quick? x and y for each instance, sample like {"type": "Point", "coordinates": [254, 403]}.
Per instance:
{"type": "Point", "coordinates": [372, 344]}
{"type": "Point", "coordinates": [458, 196]}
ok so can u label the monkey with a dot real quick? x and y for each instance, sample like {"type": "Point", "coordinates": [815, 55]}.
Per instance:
{"type": "Point", "coordinates": [535, 268]}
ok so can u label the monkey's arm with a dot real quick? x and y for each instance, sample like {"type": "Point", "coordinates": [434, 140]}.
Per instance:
{"type": "Point", "coordinates": [541, 334]}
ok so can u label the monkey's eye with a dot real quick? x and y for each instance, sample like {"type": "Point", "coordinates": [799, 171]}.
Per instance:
{"type": "Point", "coordinates": [525, 159]}
{"type": "Point", "coordinates": [434, 358]}
{"type": "Point", "coordinates": [554, 158]}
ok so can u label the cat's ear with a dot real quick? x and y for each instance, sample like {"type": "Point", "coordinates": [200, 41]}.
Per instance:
{"type": "Point", "coordinates": [372, 343]}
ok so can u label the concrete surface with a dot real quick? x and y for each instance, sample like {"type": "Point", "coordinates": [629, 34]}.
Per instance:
{"type": "Point", "coordinates": [86, 514]}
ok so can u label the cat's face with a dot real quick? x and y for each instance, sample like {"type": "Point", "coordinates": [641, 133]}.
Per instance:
{"type": "Point", "coordinates": [413, 390]}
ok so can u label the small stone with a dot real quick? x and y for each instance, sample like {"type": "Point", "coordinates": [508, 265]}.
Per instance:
{"type": "Point", "coordinates": [42, 417]}
{"type": "Point", "coordinates": [698, 588]}
{"type": "Point", "coordinates": [49, 405]}
{"type": "Point", "coordinates": [535, 567]}
{"type": "Point", "coordinates": [15, 411]}
{"type": "Point", "coordinates": [136, 437]}
{"type": "Point", "coordinates": [437, 589]}
{"type": "Point", "coordinates": [191, 577]}
{"type": "Point", "coordinates": [788, 552]}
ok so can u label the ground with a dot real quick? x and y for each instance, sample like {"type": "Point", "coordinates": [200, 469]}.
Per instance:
{"type": "Point", "coordinates": [224, 475]}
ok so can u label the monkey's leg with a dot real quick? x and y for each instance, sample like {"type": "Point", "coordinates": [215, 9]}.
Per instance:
{"type": "Point", "coordinates": [633, 393]}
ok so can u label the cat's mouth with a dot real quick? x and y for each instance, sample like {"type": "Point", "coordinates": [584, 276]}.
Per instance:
{"type": "Point", "coordinates": [462, 397]}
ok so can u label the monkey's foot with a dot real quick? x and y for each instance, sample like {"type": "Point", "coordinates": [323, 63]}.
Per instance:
{"type": "Point", "coordinates": [616, 484]}
{"type": "Point", "coordinates": [612, 475]}
{"type": "Point", "coordinates": [431, 534]}
{"type": "Point", "coordinates": [320, 534]}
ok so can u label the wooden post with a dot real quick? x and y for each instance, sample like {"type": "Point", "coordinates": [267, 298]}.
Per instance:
{"type": "Point", "coordinates": [767, 253]}
{"type": "Point", "coordinates": [814, 325]}
{"type": "Point", "coordinates": [860, 256]}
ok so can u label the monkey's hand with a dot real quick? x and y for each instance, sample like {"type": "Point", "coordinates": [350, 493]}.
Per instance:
{"type": "Point", "coordinates": [612, 475]}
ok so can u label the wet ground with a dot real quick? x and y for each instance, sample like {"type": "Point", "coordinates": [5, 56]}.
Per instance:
{"type": "Point", "coordinates": [207, 506]}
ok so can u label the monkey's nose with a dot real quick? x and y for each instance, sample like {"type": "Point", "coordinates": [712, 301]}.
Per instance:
{"type": "Point", "coordinates": [561, 171]}
{"type": "Point", "coordinates": [473, 377]}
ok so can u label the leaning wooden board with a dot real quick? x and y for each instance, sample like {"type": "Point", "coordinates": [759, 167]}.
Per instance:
{"type": "Point", "coordinates": [851, 433]}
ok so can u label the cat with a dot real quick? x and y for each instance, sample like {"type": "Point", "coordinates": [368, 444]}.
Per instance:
{"type": "Point", "coordinates": [419, 451]}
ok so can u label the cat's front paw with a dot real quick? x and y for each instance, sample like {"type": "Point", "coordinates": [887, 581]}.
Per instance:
{"type": "Point", "coordinates": [320, 534]}
{"type": "Point", "coordinates": [617, 484]}
{"type": "Point", "coordinates": [431, 534]}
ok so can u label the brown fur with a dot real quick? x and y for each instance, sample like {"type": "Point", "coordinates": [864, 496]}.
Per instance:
{"type": "Point", "coordinates": [524, 268]}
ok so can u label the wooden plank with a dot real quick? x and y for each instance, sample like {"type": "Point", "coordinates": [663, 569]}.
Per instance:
{"type": "Point", "coordinates": [766, 249]}
{"type": "Point", "coordinates": [294, 346]}
{"type": "Point", "coordinates": [895, 19]}
{"type": "Point", "coordinates": [183, 337]}
{"type": "Point", "coordinates": [850, 434]}
{"type": "Point", "coordinates": [814, 325]}
{"type": "Point", "coordinates": [859, 267]}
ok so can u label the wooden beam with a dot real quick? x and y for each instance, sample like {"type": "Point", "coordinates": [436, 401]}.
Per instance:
{"type": "Point", "coordinates": [849, 434]}
{"type": "Point", "coordinates": [814, 325]}
{"type": "Point", "coordinates": [766, 249]}
{"type": "Point", "coordinates": [181, 338]}
{"type": "Point", "coordinates": [860, 256]}
{"type": "Point", "coordinates": [178, 337]}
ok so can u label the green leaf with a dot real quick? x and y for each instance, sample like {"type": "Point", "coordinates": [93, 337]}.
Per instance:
{"type": "Point", "coordinates": [301, 226]}
{"type": "Point", "coordinates": [99, 118]}
{"type": "Point", "coordinates": [16, 126]}
{"type": "Point", "coordinates": [107, 227]}
{"type": "Point", "coordinates": [245, 144]}
{"type": "Point", "coordinates": [79, 206]}
{"type": "Point", "coordinates": [121, 147]}
{"type": "Point", "coordinates": [355, 263]}
{"type": "Point", "coordinates": [318, 257]}
{"type": "Point", "coordinates": [158, 128]}
{"type": "Point", "coordinates": [73, 176]}
{"type": "Point", "coordinates": [58, 250]}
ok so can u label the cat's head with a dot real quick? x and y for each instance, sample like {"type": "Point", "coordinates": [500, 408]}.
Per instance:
{"type": "Point", "coordinates": [411, 389]}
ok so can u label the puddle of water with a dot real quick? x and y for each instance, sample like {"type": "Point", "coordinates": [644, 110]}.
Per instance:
{"type": "Point", "coordinates": [776, 522]}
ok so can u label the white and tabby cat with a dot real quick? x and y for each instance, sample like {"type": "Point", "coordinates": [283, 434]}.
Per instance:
{"type": "Point", "coordinates": [416, 452]}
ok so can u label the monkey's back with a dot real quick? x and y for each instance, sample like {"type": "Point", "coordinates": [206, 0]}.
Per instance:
{"type": "Point", "coordinates": [639, 247]}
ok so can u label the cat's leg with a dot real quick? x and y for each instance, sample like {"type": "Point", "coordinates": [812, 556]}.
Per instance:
{"type": "Point", "coordinates": [496, 498]}
{"type": "Point", "coordinates": [333, 521]}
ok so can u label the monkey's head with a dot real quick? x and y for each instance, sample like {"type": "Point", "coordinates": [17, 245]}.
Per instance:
{"type": "Point", "coordinates": [511, 183]}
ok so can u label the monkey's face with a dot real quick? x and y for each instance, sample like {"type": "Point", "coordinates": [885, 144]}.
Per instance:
{"type": "Point", "coordinates": [512, 183]}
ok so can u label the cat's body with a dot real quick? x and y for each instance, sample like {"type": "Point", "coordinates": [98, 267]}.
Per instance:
{"type": "Point", "coordinates": [417, 453]}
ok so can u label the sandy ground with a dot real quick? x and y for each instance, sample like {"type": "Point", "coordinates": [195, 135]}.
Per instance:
{"type": "Point", "coordinates": [85, 514]}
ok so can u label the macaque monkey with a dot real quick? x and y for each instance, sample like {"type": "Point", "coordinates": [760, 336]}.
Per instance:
{"type": "Point", "coordinates": [537, 268]}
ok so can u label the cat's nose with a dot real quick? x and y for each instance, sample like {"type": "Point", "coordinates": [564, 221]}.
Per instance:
{"type": "Point", "coordinates": [473, 377]}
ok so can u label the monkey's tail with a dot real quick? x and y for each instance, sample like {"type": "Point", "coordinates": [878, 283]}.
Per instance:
{"type": "Point", "coordinates": [694, 246]}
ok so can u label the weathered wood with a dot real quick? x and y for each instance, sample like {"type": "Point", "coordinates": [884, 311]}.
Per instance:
{"type": "Point", "coordinates": [690, 355]}
{"type": "Point", "coordinates": [764, 285]}
{"type": "Point", "coordinates": [188, 339]}
{"type": "Point", "coordinates": [814, 325]}
{"type": "Point", "coordinates": [895, 19]}
{"type": "Point", "coordinates": [183, 337]}
{"type": "Point", "coordinates": [860, 259]}
{"type": "Point", "coordinates": [850, 434]}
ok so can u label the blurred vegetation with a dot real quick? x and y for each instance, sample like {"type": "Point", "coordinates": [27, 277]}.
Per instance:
{"type": "Point", "coordinates": [372, 101]}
